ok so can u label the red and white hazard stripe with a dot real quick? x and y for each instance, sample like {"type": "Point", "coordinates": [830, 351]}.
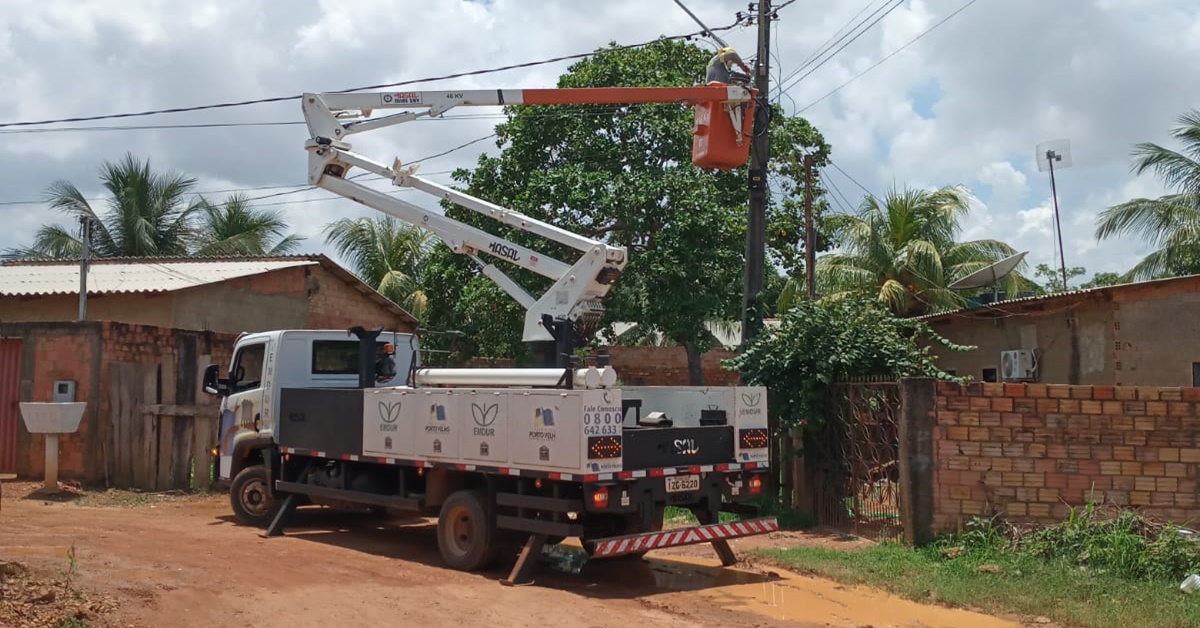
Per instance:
{"type": "Point", "coordinates": [620, 545]}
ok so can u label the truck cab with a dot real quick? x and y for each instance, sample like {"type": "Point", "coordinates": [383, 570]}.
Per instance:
{"type": "Point", "coordinates": [265, 363]}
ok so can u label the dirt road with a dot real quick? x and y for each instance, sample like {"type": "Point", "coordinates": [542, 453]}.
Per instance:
{"type": "Point", "coordinates": [183, 562]}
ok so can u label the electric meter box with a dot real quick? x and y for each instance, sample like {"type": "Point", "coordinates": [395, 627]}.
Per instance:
{"type": "Point", "coordinates": [64, 390]}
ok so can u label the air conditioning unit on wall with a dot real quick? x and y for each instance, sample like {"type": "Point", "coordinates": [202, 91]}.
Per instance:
{"type": "Point", "coordinates": [1017, 364]}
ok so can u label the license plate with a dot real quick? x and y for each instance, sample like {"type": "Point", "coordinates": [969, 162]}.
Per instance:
{"type": "Point", "coordinates": [683, 483]}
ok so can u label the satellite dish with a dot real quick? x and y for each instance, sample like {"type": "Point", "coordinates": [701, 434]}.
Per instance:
{"type": "Point", "coordinates": [989, 275]}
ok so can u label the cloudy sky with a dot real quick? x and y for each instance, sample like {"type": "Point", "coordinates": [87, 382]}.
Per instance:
{"type": "Point", "coordinates": [967, 103]}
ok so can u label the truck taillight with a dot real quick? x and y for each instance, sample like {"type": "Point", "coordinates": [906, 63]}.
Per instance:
{"type": "Point", "coordinates": [600, 497]}
{"type": "Point", "coordinates": [755, 484]}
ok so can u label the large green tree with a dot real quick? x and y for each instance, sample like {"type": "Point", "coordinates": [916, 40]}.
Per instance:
{"type": "Point", "coordinates": [387, 254]}
{"type": "Point", "coordinates": [621, 174]}
{"type": "Point", "coordinates": [1171, 223]}
{"type": "Point", "coordinates": [903, 251]}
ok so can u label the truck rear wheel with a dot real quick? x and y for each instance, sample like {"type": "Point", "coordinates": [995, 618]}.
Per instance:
{"type": "Point", "coordinates": [250, 497]}
{"type": "Point", "coordinates": [465, 535]}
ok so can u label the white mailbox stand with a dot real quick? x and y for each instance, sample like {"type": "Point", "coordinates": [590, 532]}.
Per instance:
{"type": "Point", "coordinates": [52, 419]}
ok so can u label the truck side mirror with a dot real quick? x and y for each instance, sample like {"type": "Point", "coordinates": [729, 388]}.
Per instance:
{"type": "Point", "coordinates": [212, 381]}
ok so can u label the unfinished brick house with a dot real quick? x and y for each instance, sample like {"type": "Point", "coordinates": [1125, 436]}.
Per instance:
{"type": "Point", "coordinates": [152, 326]}
{"type": "Point", "coordinates": [1138, 334]}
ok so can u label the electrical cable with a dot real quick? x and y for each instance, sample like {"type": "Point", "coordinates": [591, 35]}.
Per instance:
{"type": "Point", "coordinates": [257, 101]}
{"type": "Point", "coordinates": [829, 43]}
{"type": "Point", "coordinates": [843, 46]}
{"type": "Point", "coordinates": [847, 175]}
{"type": "Point", "coordinates": [889, 56]}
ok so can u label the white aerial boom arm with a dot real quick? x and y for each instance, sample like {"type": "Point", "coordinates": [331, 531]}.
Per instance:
{"type": "Point", "coordinates": [578, 288]}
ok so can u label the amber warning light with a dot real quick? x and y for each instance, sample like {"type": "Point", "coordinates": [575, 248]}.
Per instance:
{"type": "Point", "coordinates": [753, 438]}
{"type": "Point", "coordinates": [604, 447]}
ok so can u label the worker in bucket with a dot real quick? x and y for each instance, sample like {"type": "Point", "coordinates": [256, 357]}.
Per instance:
{"type": "Point", "coordinates": [720, 67]}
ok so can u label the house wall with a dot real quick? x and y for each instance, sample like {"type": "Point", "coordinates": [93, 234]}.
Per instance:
{"type": "Point", "coordinates": [51, 352]}
{"type": "Point", "coordinates": [84, 352]}
{"type": "Point", "coordinates": [335, 304]}
{"type": "Point", "coordinates": [274, 300]}
{"type": "Point", "coordinates": [1146, 335]}
{"type": "Point", "coordinates": [144, 309]}
{"type": "Point", "coordinates": [1032, 451]}
{"type": "Point", "coordinates": [299, 297]}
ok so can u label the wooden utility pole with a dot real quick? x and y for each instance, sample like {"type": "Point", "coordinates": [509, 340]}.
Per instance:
{"type": "Point", "coordinates": [759, 154]}
{"type": "Point", "coordinates": [810, 251]}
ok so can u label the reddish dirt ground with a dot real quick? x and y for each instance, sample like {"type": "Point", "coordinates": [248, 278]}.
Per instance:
{"type": "Point", "coordinates": [150, 561]}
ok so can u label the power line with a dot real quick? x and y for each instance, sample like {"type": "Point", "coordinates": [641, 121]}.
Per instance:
{"type": "Point", "coordinates": [843, 46]}
{"type": "Point", "coordinates": [258, 101]}
{"type": "Point", "coordinates": [225, 191]}
{"type": "Point", "coordinates": [826, 45]}
{"type": "Point", "coordinates": [843, 204]}
{"type": "Point", "coordinates": [847, 175]}
{"type": "Point", "coordinates": [889, 56]}
{"type": "Point", "coordinates": [577, 111]}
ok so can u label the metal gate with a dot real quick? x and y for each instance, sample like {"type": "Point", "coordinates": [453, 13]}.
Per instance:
{"type": "Point", "coordinates": [855, 461]}
{"type": "Point", "coordinates": [10, 394]}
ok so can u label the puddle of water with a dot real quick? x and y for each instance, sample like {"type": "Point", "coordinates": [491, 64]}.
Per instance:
{"type": "Point", "coordinates": [34, 550]}
{"type": "Point", "coordinates": [564, 558]}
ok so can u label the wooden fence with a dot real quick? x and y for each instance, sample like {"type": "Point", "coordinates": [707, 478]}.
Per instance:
{"type": "Point", "coordinates": [152, 445]}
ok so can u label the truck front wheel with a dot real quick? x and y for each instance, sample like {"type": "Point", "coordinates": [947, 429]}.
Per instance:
{"type": "Point", "coordinates": [250, 497]}
{"type": "Point", "coordinates": [465, 535]}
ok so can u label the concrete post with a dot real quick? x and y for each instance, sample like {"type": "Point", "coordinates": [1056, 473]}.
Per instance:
{"type": "Point", "coordinates": [916, 459]}
{"type": "Point", "coordinates": [51, 462]}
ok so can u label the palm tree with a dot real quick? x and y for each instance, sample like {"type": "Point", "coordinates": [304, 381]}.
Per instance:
{"type": "Point", "coordinates": [904, 251]}
{"type": "Point", "coordinates": [236, 228]}
{"type": "Point", "coordinates": [148, 214]}
{"type": "Point", "coordinates": [386, 254]}
{"type": "Point", "coordinates": [1169, 223]}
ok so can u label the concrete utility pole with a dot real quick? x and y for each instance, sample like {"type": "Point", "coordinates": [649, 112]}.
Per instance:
{"type": "Point", "coordinates": [85, 236]}
{"type": "Point", "coordinates": [759, 147]}
{"type": "Point", "coordinates": [810, 252]}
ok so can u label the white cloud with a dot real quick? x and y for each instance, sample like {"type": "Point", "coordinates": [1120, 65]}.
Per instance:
{"type": "Point", "coordinates": [966, 104]}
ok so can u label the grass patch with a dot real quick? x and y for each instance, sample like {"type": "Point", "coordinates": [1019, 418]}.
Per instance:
{"type": "Point", "coordinates": [1007, 583]}
{"type": "Point", "coordinates": [1100, 567]}
{"type": "Point", "coordinates": [676, 516]}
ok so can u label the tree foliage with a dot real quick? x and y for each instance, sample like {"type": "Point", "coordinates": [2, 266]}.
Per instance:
{"type": "Point", "coordinates": [903, 251]}
{"type": "Point", "coordinates": [387, 254]}
{"type": "Point", "coordinates": [819, 342]}
{"type": "Point", "coordinates": [235, 227]}
{"type": "Point", "coordinates": [623, 175]}
{"type": "Point", "coordinates": [155, 214]}
{"type": "Point", "coordinates": [1171, 223]}
{"type": "Point", "coordinates": [1052, 279]}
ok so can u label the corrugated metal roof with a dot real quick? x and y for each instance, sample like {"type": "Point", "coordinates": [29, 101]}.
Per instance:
{"type": "Point", "coordinates": [1046, 298]}
{"type": "Point", "coordinates": [108, 276]}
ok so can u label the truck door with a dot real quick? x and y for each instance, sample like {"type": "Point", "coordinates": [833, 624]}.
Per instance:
{"type": "Point", "coordinates": [241, 412]}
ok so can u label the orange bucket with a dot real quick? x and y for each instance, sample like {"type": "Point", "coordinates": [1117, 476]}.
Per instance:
{"type": "Point", "coordinates": [716, 143]}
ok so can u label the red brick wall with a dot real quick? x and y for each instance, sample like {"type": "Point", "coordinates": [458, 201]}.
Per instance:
{"type": "Point", "coordinates": [651, 366]}
{"type": "Point", "coordinates": [1031, 451]}
{"type": "Point", "coordinates": [83, 352]}
{"type": "Point", "coordinates": [667, 366]}
{"type": "Point", "coordinates": [61, 352]}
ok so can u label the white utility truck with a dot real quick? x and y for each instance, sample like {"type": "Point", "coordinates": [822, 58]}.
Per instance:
{"type": "Point", "coordinates": [504, 457]}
